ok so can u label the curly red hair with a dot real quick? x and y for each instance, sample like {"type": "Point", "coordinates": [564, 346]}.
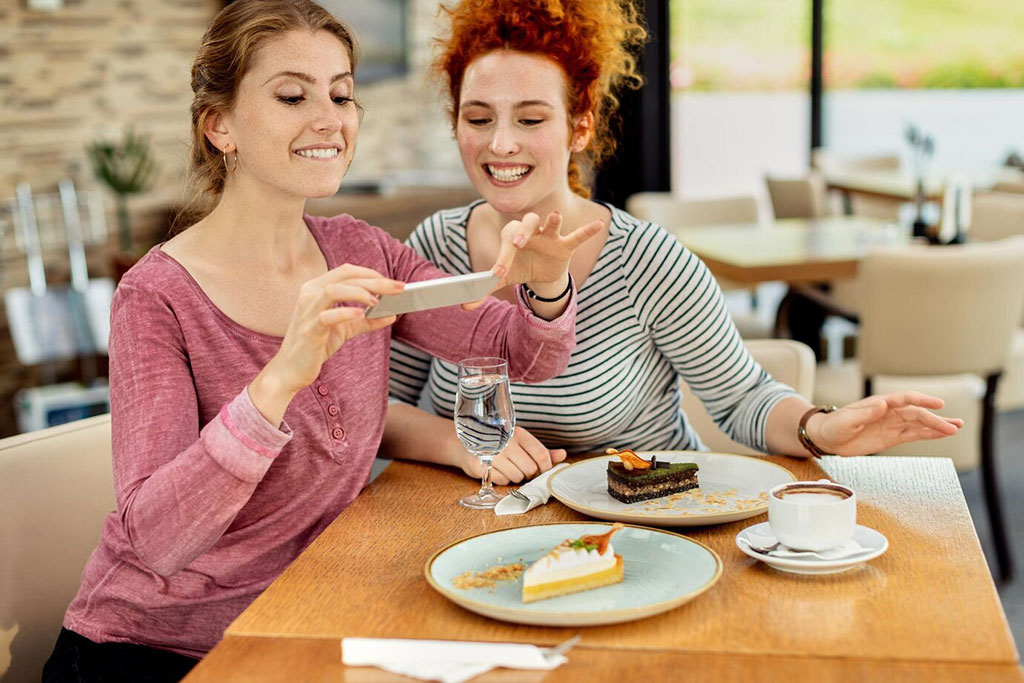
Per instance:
{"type": "Point", "coordinates": [594, 41]}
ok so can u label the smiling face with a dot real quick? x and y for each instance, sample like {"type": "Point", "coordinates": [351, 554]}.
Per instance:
{"type": "Point", "coordinates": [514, 132]}
{"type": "Point", "coordinates": [294, 121]}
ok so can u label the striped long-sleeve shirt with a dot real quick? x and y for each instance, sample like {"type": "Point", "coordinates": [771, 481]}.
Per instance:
{"type": "Point", "coordinates": [649, 314]}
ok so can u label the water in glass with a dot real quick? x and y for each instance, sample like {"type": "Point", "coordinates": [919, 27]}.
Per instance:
{"type": "Point", "coordinates": [484, 419]}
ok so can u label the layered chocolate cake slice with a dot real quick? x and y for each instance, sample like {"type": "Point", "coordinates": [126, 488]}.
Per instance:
{"type": "Point", "coordinates": [635, 479]}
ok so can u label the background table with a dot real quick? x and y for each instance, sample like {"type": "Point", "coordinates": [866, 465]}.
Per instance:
{"type": "Point", "coordinates": [925, 610]}
{"type": "Point", "coordinates": [793, 250]}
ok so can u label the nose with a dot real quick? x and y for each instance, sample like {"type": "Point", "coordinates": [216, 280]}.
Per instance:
{"type": "Point", "coordinates": [327, 118]}
{"type": "Point", "coordinates": [503, 141]}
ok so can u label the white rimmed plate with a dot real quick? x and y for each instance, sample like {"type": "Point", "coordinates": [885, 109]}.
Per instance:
{"type": "Point", "coordinates": [662, 570]}
{"type": "Point", "coordinates": [874, 543]}
{"type": "Point", "coordinates": [731, 487]}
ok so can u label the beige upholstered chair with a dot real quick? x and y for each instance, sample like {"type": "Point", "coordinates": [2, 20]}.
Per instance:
{"type": "Point", "coordinates": [670, 212]}
{"type": "Point", "coordinates": [994, 216]}
{"type": "Point", "coordinates": [858, 204]}
{"type": "Point", "coordinates": [798, 197]}
{"type": "Point", "coordinates": [56, 487]}
{"type": "Point", "coordinates": [786, 360]}
{"type": "Point", "coordinates": [939, 320]}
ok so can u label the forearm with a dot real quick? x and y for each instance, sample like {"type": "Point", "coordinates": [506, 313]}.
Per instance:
{"type": "Point", "coordinates": [414, 434]}
{"type": "Point", "coordinates": [782, 423]}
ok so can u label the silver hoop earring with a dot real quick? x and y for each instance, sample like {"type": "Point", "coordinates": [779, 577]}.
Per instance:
{"type": "Point", "coordinates": [231, 168]}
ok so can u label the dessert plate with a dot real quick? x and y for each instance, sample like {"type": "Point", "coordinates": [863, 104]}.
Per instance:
{"type": "Point", "coordinates": [731, 487]}
{"type": "Point", "coordinates": [662, 571]}
{"type": "Point", "coordinates": [873, 542]}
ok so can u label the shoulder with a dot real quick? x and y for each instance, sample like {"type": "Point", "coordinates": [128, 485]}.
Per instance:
{"type": "Point", "coordinates": [640, 241]}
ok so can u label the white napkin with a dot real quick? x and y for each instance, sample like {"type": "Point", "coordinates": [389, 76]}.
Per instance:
{"type": "Point", "coordinates": [851, 547]}
{"type": "Point", "coordinates": [536, 491]}
{"type": "Point", "coordinates": [448, 661]}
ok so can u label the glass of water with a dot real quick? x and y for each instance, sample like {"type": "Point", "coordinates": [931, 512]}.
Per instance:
{"type": "Point", "coordinates": [484, 420]}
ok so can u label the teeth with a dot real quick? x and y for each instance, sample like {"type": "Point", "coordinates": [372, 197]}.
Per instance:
{"type": "Point", "coordinates": [318, 153]}
{"type": "Point", "coordinates": [508, 174]}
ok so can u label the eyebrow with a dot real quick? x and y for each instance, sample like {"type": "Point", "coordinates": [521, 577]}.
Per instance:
{"type": "Point", "coordinates": [306, 78]}
{"type": "Point", "coordinates": [518, 105]}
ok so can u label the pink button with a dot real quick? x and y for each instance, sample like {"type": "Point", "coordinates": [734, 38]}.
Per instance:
{"type": "Point", "coordinates": [338, 433]}
{"type": "Point", "coordinates": [322, 390]}
{"type": "Point", "coordinates": [332, 410]}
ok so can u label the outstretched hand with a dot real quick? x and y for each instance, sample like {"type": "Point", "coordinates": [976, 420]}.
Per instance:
{"type": "Point", "coordinates": [531, 252]}
{"type": "Point", "coordinates": [875, 423]}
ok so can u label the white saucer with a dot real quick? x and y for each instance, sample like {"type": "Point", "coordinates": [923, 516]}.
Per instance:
{"type": "Point", "coordinates": [872, 541]}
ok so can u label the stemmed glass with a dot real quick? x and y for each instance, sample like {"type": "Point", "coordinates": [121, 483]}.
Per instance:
{"type": "Point", "coordinates": [484, 420]}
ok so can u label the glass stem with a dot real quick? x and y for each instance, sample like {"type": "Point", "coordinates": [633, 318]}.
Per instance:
{"type": "Point", "coordinates": [485, 480]}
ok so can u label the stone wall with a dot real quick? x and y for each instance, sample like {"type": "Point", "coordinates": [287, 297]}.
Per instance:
{"type": "Point", "coordinates": [95, 67]}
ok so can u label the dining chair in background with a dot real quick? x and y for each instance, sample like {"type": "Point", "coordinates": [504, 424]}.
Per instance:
{"type": "Point", "coordinates": [56, 488]}
{"type": "Point", "coordinates": [786, 360]}
{"type": "Point", "coordinates": [995, 216]}
{"type": "Point", "coordinates": [859, 204]}
{"type": "Point", "coordinates": [803, 197]}
{"type": "Point", "coordinates": [939, 320]}
{"type": "Point", "coordinates": [669, 211]}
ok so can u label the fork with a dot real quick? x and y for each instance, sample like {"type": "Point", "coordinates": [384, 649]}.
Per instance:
{"type": "Point", "coordinates": [550, 652]}
{"type": "Point", "coordinates": [519, 496]}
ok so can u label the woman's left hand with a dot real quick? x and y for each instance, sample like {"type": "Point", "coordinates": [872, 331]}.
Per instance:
{"type": "Point", "coordinates": [875, 423]}
{"type": "Point", "coordinates": [531, 252]}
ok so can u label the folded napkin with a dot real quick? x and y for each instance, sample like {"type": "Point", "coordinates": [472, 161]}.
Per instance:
{"type": "Point", "coordinates": [448, 661]}
{"type": "Point", "coordinates": [536, 491]}
{"type": "Point", "coordinates": [851, 547]}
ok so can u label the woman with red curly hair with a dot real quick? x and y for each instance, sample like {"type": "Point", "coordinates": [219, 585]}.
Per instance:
{"type": "Point", "coordinates": [532, 86]}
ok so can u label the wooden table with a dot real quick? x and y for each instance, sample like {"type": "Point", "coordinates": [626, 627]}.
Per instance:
{"type": "Point", "coordinates": [927, 610]}
{"type": "Point", "coordinates": [794, 250]}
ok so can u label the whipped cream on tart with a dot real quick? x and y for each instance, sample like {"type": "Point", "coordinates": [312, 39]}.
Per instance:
{"type": "Point", "coordinates": [575, 565]}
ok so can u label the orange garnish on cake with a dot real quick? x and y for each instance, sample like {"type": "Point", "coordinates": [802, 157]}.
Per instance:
{"type": "Point", "coordinates": [601, 540]}
{"type": "Point", "coordinates": [630, 460]}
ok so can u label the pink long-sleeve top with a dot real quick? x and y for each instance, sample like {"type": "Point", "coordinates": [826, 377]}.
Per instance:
{"type": "Point", "coordinates": [213, 501]}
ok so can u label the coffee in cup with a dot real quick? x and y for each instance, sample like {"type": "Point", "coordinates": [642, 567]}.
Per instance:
{"type": "Point", "coordinates": [812, 515]}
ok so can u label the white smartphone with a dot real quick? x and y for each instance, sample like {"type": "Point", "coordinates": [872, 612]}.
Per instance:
{"type": "Point", "coordinates": [427, 294]}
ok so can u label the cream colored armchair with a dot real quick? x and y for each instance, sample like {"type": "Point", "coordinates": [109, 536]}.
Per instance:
{"type": "Point", "coordinates": [56, 487]}
{"type": "Point", "coordinates": [939, 320]}
{"type": "Point", "coordinates": [804, 197]}
{"type": "Point", "coordinates": [788, 361]}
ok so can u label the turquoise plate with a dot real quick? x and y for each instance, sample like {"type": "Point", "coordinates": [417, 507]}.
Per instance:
{"type": "Point", "coordinates": [662, 571]}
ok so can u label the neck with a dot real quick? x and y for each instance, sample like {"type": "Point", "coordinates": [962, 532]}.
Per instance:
{"type": "Point", "coordinates": [257, 229]}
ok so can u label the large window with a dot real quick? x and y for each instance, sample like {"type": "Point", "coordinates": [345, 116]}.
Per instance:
{"type": "Point", "coordinates": [740, 104]}
{"type": "Point", "coordinates": [954, 68]}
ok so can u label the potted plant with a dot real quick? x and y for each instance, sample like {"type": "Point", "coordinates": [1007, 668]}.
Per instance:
{"type": "Point", "coordinates": [126, 167]}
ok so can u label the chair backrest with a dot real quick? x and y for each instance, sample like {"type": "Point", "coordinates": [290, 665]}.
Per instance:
{"type": "Point", "coordinates": [788, 361]}
{"type": "Point", "coordinates": [940, 310]}
{"type": "Point", "coordinates": [996, 215]}
{"type": "Point", "coordinates": [798, 197]}
{"type": "Point", "coordinates": [56, 487]}
{"type": "Point", "coordinates": [668, 211]}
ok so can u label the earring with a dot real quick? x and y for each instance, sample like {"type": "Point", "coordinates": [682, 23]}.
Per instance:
{"type": "Point", "coordinates": [231, 168]}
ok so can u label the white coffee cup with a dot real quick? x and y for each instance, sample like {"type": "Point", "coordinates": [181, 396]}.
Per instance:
{"type": "Point", "coordinates": [812, 515]}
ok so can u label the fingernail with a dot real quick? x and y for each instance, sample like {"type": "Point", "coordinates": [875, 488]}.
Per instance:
{"type": "Point", "coordinates": [556, 214]}
{"type": "Point", "coordinates": [518, 240]}
{"type": "Point", "coordinates": [499, 271]}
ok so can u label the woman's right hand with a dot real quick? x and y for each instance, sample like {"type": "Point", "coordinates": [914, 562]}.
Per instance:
{"type": "Point", "coordinates": [523, 458]}
{"type": "Point", "coordinates": [317, 330]}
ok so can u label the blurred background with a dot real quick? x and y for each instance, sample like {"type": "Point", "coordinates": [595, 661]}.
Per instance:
{"type": "Point", "coordinates": [96, 92]}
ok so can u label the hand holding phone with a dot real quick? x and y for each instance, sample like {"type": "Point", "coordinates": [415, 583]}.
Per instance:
{"type": "Point", "coordinates": [427, 294]}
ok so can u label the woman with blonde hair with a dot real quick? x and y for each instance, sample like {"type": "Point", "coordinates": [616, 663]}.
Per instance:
{"type": "Point", "coordinates": [532, 88]}
{"type": "Point", "coordinates": [248, 389]}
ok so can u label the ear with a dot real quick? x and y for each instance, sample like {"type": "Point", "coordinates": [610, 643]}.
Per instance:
{"type": "Point", "coordinates": [582, 131]}
{"type": "Point", "coordinates": [216, 131]}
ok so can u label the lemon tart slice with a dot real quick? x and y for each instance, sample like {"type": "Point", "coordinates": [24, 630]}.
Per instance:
{"type": "Point", "coordinates": [576, 565]}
